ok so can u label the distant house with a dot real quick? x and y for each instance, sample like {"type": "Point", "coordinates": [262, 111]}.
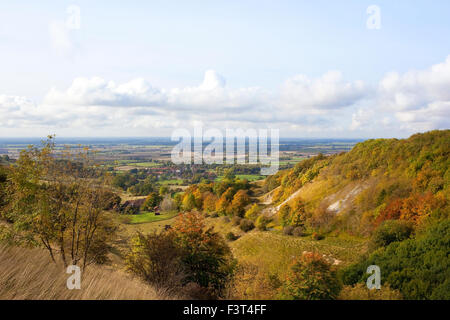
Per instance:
{"type": "Point", "coordinates": [132, 206]}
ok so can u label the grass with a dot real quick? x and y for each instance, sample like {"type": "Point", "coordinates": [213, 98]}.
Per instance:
{"type": "Point", "coordinates": [27, 274]}
{"type": "Point", "coordinates": [274, 251]}
{"type": "Point", "coordinates": [147, 164]}
{"type": "Point", "coordinates": [148, 217]}
{"type": "Point", "coordinates": [131, 229]}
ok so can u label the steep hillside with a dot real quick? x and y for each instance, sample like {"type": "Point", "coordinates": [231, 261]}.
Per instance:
{"type": "Point", "coordinates": [377, 180]}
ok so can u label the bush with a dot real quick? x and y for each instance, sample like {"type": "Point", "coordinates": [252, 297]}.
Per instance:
{"type": "Point", "coordinates": [298, 232]}
{"type": "Point", "coordinates": [310, 278]}
{"type": "Point", "coordinates": [207, 259]}
{"type": "Point", "coordinates": [262, 222]}
{"type": "Point", "coordinates": [288, 230]}
{"type": "Point", "coordinates": [189, 258]}
{"type": "Point", "coordinates": [253, 212]}
{"type": "Point", "coordinates": [231, 236]}
{"type": "Point", "coordinates": [246, 225]}
{"type": "Point", "coordinates": [152, 200]}
{"type": "Point", "coordinates": [236, 221]}
{"type": "Point", "coordinates": [168, 204]}
{"type": "Point", "coordinates": [361, 292]}
{"type": "Point", "coordinates": [391, 231]}
{"type": "Point", "coordinates": [419, 268]}
{"type": "Point", "coordinates": [156, 258]}
{"type": "Point", "coordinates": [317, 236]}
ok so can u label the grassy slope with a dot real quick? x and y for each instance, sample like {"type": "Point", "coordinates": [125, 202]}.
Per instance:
{"type": "Point", "coordinates": [30, 274]}
{"type": "Point", "coordinates": [372, 166]}
{"type": "Point", "coordinates": [274, 251]}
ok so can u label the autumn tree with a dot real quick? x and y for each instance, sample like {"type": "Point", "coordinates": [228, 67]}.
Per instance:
{"type": "Point", "coordinates": [207, 258]}
{"type": "Point", "coordinates": [240, 200]}
{"type": "Point", "coordinates": [209, 203]}
{"type": "Point", "coordinates": [188, 202]}
{"type": "Point", "coordinates": [253, 212]}
{"type": "Point", "coordinates": [414, 208]}
{"type": "Point", "coordinates": [59, 202]}
{"type": "Point", "coordinates": [153, 200]}
{"type": "Point", "coordinates": [156, 258]}
{"type": "Point", "coordinates": [310, 278]}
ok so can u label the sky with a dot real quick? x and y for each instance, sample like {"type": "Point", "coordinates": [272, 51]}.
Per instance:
{"type": "Point", "coordinates": [323, 69]}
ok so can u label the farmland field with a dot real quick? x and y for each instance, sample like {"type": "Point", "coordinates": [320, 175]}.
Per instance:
{"type": "Point", "coordinates": [147, 217]}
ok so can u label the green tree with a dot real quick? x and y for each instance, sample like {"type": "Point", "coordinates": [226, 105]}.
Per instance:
{"type": "Point", "coordinates": [58, 201]}
{"type": "Point", "coordinates": [188, 202]}
{"type": "Point", "coordinates": [391, 231]}
{"type": "Point", "coordinates": [419, 268]}
{"type": "Point", "coordinates": [310, 278]}
{"type": "Point", "coordinates": [152, 200]}
{"type": "Point", "coordinates": [207, 258]}
{"type": "Point", "coordinates": [163, 190]}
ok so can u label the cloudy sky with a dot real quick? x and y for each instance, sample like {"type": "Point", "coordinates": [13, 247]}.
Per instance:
{"type": "Point", "coordinates": [143, 68]}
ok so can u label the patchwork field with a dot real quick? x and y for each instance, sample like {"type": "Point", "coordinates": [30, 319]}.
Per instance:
{"type": "Point", "coordinates": [146, 217]}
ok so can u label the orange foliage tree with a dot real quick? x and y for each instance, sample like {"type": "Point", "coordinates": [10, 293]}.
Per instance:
{"type": "Point", "coordinates": [414, 208]}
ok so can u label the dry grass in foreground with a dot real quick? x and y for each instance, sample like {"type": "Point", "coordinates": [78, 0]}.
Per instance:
{"type": "Point", "coordinates": [30, 274]}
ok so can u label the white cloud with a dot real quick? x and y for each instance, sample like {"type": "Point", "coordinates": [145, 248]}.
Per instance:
{"type": "Point", "coordinates": [419, 99]}
{"type": "Point", "coordinates": [329, 91]}
{"type": "Point", "coordinates": [362, 117]}
{"type": "Point", "coordinates": [435, 115]}
{"type": "Point", "coordinates": [414, 101]}
{"type": "Point", "coordinates": [210, 96]}
{"type": "Point", "coordinates": [17, 111]}
{"type": "Point", "coordinates": [98, 92]}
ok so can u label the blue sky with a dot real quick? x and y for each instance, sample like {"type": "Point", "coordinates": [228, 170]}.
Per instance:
{"type": "Point", "coordinates": [146, 67]}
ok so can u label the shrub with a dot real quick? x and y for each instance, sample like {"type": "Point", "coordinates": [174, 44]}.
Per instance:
{"type": "Point", "coordinates": [253, 212]}
{"type": "Point", "coordinates": [240, 200]}
{"type": "Point", "coordinates": [262, 222]}
{"type": "Point", "coordinates": [152, 200]}
{"type": "Point", "coordinates": [253, 282]}
{"type": "Point", "coordinates": [156, 258]}
{"type": "Point", "coordinates": [236, 221]}
{"type": "Point", "coordinates": [298, 232]}
{"type": "Point", "coordinates": [189, 257]}
{"type": "Point", "coordinates": [288, 230]}
{"type": "Point", "coordinates": [246, 225]}
{"type": "Point", "coordinates": [317, 236]}
{"type": "Point", "coordinates": [231, 236]}
{"type": "Point", "coordinates": [419, 268]}
{"type": "Point", "coordinates": [168, 204]}
{"type": "Point", "coordinates": [207, 259]}
{"type": "Point", "coordinates": [361, 292]}
{"type": "Point", "coordinates": [391, 231]}
{"type": "Point", "coordinates": [310, 278]}
{"type": "Point", "coordinates": [285, 214]}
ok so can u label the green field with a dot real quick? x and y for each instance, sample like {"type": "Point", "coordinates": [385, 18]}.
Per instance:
{"type": "Point", "coordinates": [147, 164]}
{"type": "Point", "coordinates": [146, 217]}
